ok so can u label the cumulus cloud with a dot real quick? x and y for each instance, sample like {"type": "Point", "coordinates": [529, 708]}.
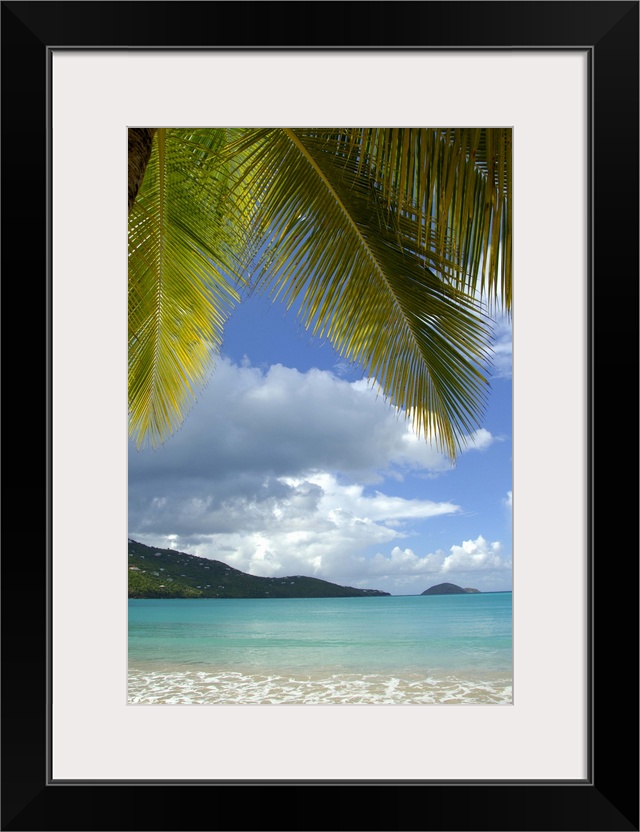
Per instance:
{"type": "Point", "coordinates": [473, 561]}
{"type": "Point", "coordinates": [310, 525]}
{"type": "Point", "coordinates": [470, 556]}
{"type": "Point", "coordinates": [282, 472]}
{"type": "Point", "coordinates": [335, 551]}
{"type": "Point", "coordinates": [474, 556]}
{"type": "Point", "coordinates": [253, 428]}
{"type": "Point", "coordinates": [282, 422]}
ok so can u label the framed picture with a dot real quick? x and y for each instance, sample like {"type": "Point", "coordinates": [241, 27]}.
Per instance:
{"type": "Point", "coordinates": [564, 76]}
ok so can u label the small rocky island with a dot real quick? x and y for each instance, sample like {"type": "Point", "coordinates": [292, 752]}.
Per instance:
{"type": "Point", "coordinates": [449, 589]}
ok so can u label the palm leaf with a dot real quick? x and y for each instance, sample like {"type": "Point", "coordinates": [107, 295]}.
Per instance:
{"type": "Point", "coordinates": [362, 230]}
{"type": "Point", "coordinates": [459, 181]}
{"type": "Point", "coordinates": [182, 249]}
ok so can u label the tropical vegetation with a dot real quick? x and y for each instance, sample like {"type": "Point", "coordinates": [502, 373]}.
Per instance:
{"type": "Point", "coordinates": [167, 573]}
{"type": "Point", "coordinates": [393, 244]}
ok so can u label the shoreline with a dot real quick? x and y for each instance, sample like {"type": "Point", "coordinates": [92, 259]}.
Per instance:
{"type": "Point", "coordinates": [180, 685]}
{"type": "Point", "coordinates": [312, 597]}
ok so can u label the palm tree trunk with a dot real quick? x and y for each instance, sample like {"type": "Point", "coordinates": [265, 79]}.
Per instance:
{"type": "Point", "coordinates": [140, 143]}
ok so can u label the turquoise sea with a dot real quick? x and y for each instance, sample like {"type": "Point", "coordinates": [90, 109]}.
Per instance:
{"type": "Point", "coordinates": [387, 650]}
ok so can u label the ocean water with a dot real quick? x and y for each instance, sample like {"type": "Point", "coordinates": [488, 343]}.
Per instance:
{"type": "Point", "coordinates": [443, 649]}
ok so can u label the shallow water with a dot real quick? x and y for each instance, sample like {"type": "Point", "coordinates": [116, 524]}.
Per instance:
{"type": "Point", "coordinates": [391, 650]}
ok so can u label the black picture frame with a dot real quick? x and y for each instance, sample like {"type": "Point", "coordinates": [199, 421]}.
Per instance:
{"type": "Point", "coordinates": [608, 798]}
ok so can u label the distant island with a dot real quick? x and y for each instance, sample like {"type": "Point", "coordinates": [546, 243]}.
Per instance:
{"type": "Point", "coordinates": [448, 589]}
{"type": "Point", "coordinates": [165, 573]}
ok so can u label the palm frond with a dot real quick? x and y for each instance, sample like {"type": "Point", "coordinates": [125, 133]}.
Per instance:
{"type": "Point", "coordinates": [459, 182]}
{"type": "Point", "coordinates": [182, 268]}
{"type": "Point", "coordinates": [360, 232]}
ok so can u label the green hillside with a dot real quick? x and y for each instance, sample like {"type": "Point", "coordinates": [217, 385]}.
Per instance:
{"type": "Point", "coordinates": [165, 573]}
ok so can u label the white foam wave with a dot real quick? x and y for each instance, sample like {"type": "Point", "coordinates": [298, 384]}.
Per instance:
{"type": "Point", "coordinates": [188, 687]}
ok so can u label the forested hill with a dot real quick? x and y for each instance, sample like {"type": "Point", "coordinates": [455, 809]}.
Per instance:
{"type": "Point", "coordinates": [165, 573]}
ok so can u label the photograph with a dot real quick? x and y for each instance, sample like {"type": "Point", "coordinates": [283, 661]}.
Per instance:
{"type": "Point", "coordinates": [307, 441]}
{"type": "Point", "coordinates": [320, 416]}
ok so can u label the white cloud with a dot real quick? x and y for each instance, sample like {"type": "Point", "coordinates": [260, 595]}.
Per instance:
{"type": "Point", "coordinates": [281, 472]}
{"type": "Point", "coordinates": [313, 526]}
{"type": "Point", "coordinates": [350, 500]}
{"type": "Point", "coordinates": [253, 427]}
{"type": "Point", "coordinates": [283, 422]}
{"type": "Point", "coordinates": [333, 548]}
{"type": "Point", "coordinates": [474, 562]}
{"type": "Point", "coordinates": [474, 556]}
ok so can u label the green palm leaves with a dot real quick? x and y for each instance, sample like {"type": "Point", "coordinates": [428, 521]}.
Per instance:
{"type": "Point", "coordinates": [390, 243]}
{"type": "Point", "coordinates": [182, 244]}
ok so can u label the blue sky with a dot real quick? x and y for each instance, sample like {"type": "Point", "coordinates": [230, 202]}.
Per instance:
{"type": "Point", "coordinates": [291, 463]}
